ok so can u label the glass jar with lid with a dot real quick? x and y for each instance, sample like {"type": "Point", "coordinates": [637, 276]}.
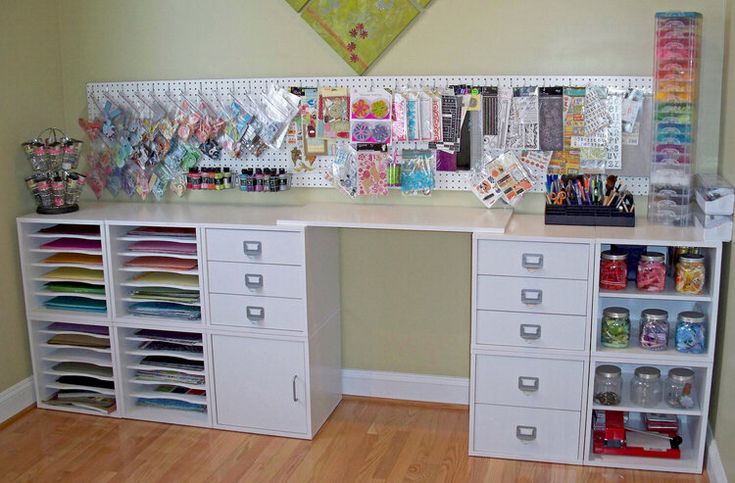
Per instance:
{"type": "Point", "coordinates": [651, 274]}
{"type": "Point", "coordinates": [645, 387]}
{"type": "Point", "coordinates": [690, 273]}
{"type": "Point", "coordinates": [613, 270]}
{"type": "Point", "coordinates": [615, 327]}
{"type": "Point", "coordinates": [654, 333]}
{"type": "Point", "coordinates": [679, 388]}
{"type": "Point", "coordinates": [690, 332]}
{"type": "Point", "coordinates": [608, 385]}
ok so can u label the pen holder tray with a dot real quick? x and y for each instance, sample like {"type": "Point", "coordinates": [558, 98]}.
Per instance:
{"type": "Point", "coordinates": [587, 216]}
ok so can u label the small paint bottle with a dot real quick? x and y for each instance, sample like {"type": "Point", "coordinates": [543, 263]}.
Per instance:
{"type": "Point", "coordinates": [275, 181]}
{"type": "Point", "coordinates": [266, 180]}
{"type": "Point", "coordinates": [244, 182]}
{"type": "Point", "coordinates": [219, 179]}
{"type": "Point", "coordinates": [188, 179]}
{"type": "Point", "coordinates": [258, 180]}
{"type": "Point", "coordinates": [196, 179]}
{"type": "Point", "coordinates": [227, 178]}
{"type": "Point", "coordinates": [282, 180]}
{"type": "Point", "coordinates": [205, 179]}
{"type": "Point", "coordinates": [250, 180]}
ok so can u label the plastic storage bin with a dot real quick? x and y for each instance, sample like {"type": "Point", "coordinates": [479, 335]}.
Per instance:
{"type": "Point", "coordinates": [676, 87]}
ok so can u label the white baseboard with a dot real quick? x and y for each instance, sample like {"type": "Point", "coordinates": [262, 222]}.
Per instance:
{"type": "Point", "coordinates": [16, 398]}
{"type": "Point", "coordinates": [400, 385]}
{"type": "Point", "coordinates": [715, 469]}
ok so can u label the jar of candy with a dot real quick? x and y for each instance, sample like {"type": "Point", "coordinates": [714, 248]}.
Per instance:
{"type": "Point", "coordinates": [690, 335]}
{"type": "Point", "coordinates": [679, 388]}
{"type": "Point", "coordinates": [645, 387]}
{"type": "Point", "coordinates": [651, 274]}
{"type": "Point", "coordinates": [608, 385]}
{"type": "Point", "coordinates": [615, 327]}
{"type": "Point", "coordinates": [654, 334]}
{"type": "Point", "coordinates": [613, 270]}
{"type": "Point", "coordinates": [690, 274]}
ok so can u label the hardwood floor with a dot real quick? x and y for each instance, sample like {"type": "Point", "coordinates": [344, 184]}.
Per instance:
{"type": "Point", "coordinates": [364, 440]}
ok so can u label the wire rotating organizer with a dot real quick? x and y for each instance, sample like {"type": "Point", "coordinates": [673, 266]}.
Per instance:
{"type": "Point", "coordinates": [54, 184]}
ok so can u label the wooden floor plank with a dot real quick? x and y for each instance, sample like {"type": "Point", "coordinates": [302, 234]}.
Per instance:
{"type": "Point", "coordinates": [364, 440]}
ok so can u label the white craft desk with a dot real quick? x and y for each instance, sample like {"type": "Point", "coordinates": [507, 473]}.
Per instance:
{"type": "Point", "coordinates": [269, 331]}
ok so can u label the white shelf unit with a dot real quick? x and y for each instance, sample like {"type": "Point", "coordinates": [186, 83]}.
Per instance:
{"type": "Point", "coordinates": [64, 262]}
{"type": "Point", "coordinates": [142, 262]}
{"type": "Point", "coordinates": [693, 422]}
{"type": "Point", "coordinates": [172, 378]}
{"type": "Point", "coordinates": [63, 360]}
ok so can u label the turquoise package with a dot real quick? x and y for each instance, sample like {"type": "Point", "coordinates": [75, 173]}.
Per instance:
{"type": "Point", "coordinates": [418, 171]}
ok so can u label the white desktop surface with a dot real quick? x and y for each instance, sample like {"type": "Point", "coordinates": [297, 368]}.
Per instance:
{"type": "Point", "coordinates": [420, 218]}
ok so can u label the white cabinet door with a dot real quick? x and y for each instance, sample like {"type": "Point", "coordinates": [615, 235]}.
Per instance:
{"type": "Point", "coordinates": [260, 383]}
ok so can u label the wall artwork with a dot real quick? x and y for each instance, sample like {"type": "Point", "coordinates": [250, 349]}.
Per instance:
{"type": "Point", "coordinates": [358, 30]}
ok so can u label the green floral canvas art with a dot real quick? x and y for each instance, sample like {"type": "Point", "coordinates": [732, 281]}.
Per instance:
{"type": "Point", "coordinates": [358, 30]}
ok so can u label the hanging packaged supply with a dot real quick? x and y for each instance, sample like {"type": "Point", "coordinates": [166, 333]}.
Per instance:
{"type": "Point", "coordinates": [503, 177]}
{"type": "Point", "coordinates": [399, 127]}
{"type": "Point", "coordinates": [417, 171]}
{"type": "Point", "coordinates": [523, 125]}
{"type": "Point", "coordinates": [372, 173]}
{"type": "Point", "coordinates": [551, 118]}
{"type": "Point", "coordinates": [343, 172]}
{"type": "Point", "coordinates": [370, 116]}
{"type": "Point", "coordinates": [334, 113]}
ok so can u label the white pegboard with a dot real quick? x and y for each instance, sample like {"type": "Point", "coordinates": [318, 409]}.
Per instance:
{"type": "Point", "coordinates": [142, 93]}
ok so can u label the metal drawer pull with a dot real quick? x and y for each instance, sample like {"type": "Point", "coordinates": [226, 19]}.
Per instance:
{"type": "Point", "coordinates": [526, 433]}
{"type": "Point", "coordinates": [532, 296]}
{"type": "Point", "coordinates": [253, 280]}
{"type": "Point", "coordinates": [252, 248]}
{"type": "Point", "coordinates": [528, 384]}
{"type": "Point", "coordinates": [293, 385]}
{"type": "Point", "coordinates": [530, 331]}
{"type": "Point", "coordinates": [255, 314]}
{"type": "Point", "coordinates": [532, 261]}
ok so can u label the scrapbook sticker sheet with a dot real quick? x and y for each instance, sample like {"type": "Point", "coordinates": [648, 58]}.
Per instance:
{"type": "Point", "coordinates": [537, 163]}
{"type": "Point", "coordinates": [551, 119]}
{"type": "Point", "coordinates": [334, 113]}
{"type": "Point", "coordinates": [615, 132]}
{"type": "Point", "coordinates": [372, 174]}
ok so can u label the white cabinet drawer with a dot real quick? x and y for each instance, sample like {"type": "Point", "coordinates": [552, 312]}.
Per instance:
{"type": "Point", "coordinates": [255, 279]}
{"type": "Point", "coordinates": [533, 434]}
{"type": "Point", "coordinates": [542, 331]}
{"type": "Point", "coordinates": [254, 246]}
{"type": "Point", "coordinates": [540, 295]}
{"type": "Point", "coordinates": [250, 312]}
{"type": "Point", "coordinates": [529, 382]}
{"type": "Point", "coordinates": [533, 259]}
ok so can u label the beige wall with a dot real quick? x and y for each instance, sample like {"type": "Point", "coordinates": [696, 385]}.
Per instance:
{"type": "Point", "coordinates": [30, 78]}
{"type": "Point", "coordinates": [723, 417]}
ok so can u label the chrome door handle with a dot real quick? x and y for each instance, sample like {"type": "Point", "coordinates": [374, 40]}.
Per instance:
{"type": "Point", "coordinates": [532, 296]}
{"type": "Point", "coordinates": [532, 261]}
{"type": "Point", "coordinates": [255, 314]}
{"type": "Point", "coordinates": [252, 248]}
{"type": "Point", "coordinates": [526, 433]}
{"type": "Point", "coordinates": [253, 281]}
{"type": "Point", "coordinates": [528, 384]}
{"type": "Point", "coordinates": [530, 331]}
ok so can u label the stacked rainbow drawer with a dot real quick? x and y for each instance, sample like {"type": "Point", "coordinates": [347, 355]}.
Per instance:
{"type": "Point", "coordinates": [676, 76]}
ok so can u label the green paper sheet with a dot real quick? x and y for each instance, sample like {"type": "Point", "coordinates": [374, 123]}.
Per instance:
{"type": "Point", "coordinates": [359, 30]}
